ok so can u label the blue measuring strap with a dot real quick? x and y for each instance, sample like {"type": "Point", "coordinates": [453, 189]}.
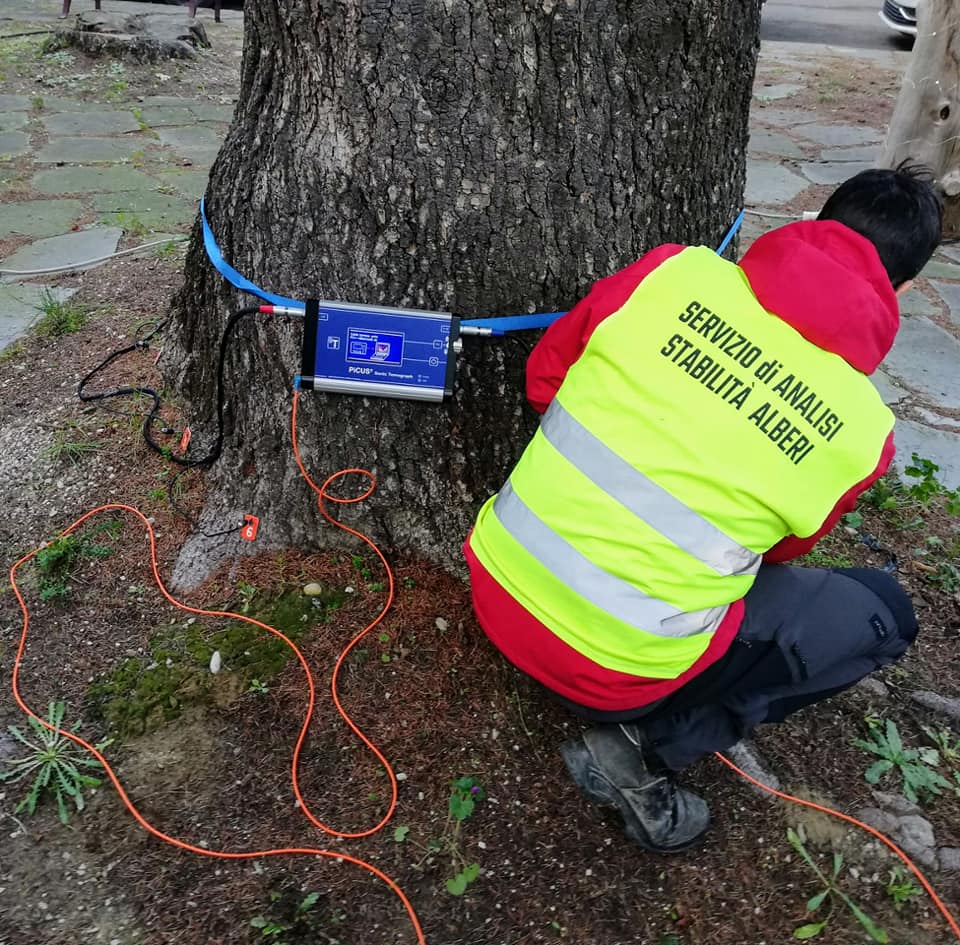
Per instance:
{"type": "Point", "coordinates": [504, 323]}
{"type": "Point", "coordinates": [731, 233]}
{"type": "Point", "coordinates": [231, 274]}
{"type": "Point", "coordinates": [498, 325]}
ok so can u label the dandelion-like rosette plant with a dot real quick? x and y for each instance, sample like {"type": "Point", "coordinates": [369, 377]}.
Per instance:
{"type": "Point", "coordinates": [56, 764]}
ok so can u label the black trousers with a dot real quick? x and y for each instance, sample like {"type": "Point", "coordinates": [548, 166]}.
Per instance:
{"type": "Point", "coordinates": [807, 634]}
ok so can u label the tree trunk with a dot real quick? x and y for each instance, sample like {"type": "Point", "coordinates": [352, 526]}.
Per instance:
{"type": "Point", "coordinates": [484, 159]}
{"type": "Point", "coordinates": [925, 127]}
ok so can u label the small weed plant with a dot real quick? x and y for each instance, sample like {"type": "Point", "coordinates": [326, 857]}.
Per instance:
{"type": "Point", "coordinates": [57, 559]}
{"type": "Point", "coordinates": [909, 497]}
{"type": "Point", "coordinates": [60, 317]}
{"type": "Point", "coordinates": [916, 766]}
{"type": "Point", "coordinates": [294, 917]}
{"type": "Point", "coordinates": [54, 762]}
{"type": "Point", "coordinates": [361, 566]}
{"type": "Point", "coordinates": [130, 223]}
{"type": "Point", "coordinates": [928, 487]}
{"type": "Point", "coordinates": [114, 80]}
{"type": "Point", "coordinates": [465, 794]}
{"type": "Point", "coordinates": [12, 352]}
{"type": "Point", "coordinates": [945, 742]}
{"type": "Point", "coordinates": [248, 594]}
{"type": "Point", "coordinates": [167, 250]}
{"type": "Point", "coordinates": [830, 893]}
{"type": "Point", "coordinates": [818, 558]}
{"type": "Point", "coordinates": [901, 888]}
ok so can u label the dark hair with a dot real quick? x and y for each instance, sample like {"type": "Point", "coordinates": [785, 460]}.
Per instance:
{"type": "Point", "coordinates": [899, 211]}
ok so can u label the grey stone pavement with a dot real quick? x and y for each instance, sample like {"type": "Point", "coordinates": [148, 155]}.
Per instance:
{"type": "Point", "coordinates": [139, 167]}
{"type": "Point", "coordinates": [797, 153]}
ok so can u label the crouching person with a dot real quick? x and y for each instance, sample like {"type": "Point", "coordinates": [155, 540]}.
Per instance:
{"type": "Point", "coordinates": [698, 416]}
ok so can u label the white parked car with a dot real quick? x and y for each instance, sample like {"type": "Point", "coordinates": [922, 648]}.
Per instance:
{"type": "Point", "coordinates": [901, 17]}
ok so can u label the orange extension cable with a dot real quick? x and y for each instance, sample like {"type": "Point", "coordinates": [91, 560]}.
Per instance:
{"type": "Point", "coordinates": [951, 921]}
{"type": "Point", "coordinates": [322, 496]}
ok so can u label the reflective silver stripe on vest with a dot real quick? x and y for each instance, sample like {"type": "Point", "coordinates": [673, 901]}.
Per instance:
{"type": "Point", "coordinates": [643, 497]}
{"type": "Point", "coordinates": [610, 594]}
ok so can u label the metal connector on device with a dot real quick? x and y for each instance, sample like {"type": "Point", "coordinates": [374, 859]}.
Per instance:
{"type": "Point", "coordinates": [477, 330]}
{"type": "Point", "coordinates": [286, 310]}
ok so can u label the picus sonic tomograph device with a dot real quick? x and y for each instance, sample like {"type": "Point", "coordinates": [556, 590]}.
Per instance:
{"type": "Point", "coordinates": [373, 351]}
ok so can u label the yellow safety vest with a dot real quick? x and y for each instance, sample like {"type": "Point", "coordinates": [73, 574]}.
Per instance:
{"type": "Point", "coordinates": [694, 432]}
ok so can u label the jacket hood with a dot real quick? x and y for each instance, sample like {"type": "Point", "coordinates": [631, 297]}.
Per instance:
{"type": "Point", "coordinates": [828, 283]}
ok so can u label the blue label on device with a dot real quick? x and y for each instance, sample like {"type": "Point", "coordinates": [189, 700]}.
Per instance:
{"type": "Point", "coordinates": [374, 347]}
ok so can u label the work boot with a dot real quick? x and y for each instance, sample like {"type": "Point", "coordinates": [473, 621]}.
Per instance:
{"type": "Point", "coordinates": [609, 767]}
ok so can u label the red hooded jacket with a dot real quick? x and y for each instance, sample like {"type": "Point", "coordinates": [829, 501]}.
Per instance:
{"type": "Point", "coordinates": [820, 277]}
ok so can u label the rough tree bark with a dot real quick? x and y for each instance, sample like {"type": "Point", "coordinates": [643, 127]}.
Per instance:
{"type": "Point", "coordinates": [478, 158]}
{"type": "Point", "coordinates": [925, 127]}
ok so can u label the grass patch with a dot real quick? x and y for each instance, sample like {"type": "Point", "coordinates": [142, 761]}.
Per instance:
{"type": "Point", "coordinates": [70, 445]}
{"type": "Point", "coordinates": [11, 352]}
{"type": "Point", "coordinates": [60, 318]}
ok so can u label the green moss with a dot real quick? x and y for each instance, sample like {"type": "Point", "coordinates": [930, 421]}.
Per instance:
{"type": "Point", "coordinates": [143, 693]}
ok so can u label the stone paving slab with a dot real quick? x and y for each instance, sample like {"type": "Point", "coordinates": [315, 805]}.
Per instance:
{"type": "Point", "coordinates": [67, 250]}
{"type": "Point", "coordinates": [952, 251]}
{"type": "Point", "coordinates": [13, 121]}
{"type": "Point", "coordinates": [91, 180]}
{"type": "Point", "coordinates": [950, 293]}
{"type": "Point", "coordinates": [91, 122]}
{"type": "Point", "coordinates": [192, 140]}
{"type": "Point", "coordinates": [39, 217]}
{"type": "Point", "coordinates": [925, 357]}
{"type": "Point", "coordinates": [860, 152]}
{"type": "Point", "coordinates": [832, 172]}
{"type": "Point", "coordinates": [57, 104]}
{"type": "Point", "coordinates": [151, 209]}
{"type": "Point", "coordinates": [838, 135]}
{"type": "Point", "coordinates": [769, 182]}
{"type": "Point", "coordinates": [201, 159]}
{"type": "Point", "coordinates": [15, 103]}
{"type": "Point", "coordinates": [785, 117]}
{"type": "Point", "coordinates": [159, 116]}
{"type": "Point", "coordinates": [891, 392]}
{"type": "Point", "coordinates": [167, 100]}
{"type": "Point", "coordinates": [185, 112]}
{"type": "Point", "coordinates": [914, 302]}
{"type": "Point", "coordinates": [938, 269]}
{"type": "Point", "coordinates": [88, 150]}
{"type": "Point", "coordinates": [186, 181]}
{"type": "Point", "coordinates": [771, 93]}
{"type": "Point", "coordinates": [772, 142]}
{"type": "Point", "coordinates": [21, 303]}
{"type": "Point", "coordinates": [935, 419]}
{"type": "Point", "coordinates": [14, 143]}
{"type": "Point", "coordinates": [205, 111]}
